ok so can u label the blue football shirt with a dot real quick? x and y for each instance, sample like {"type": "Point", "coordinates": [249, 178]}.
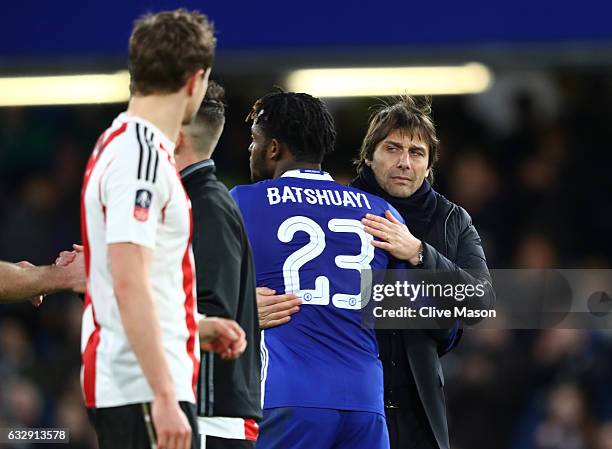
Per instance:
{"type": "Point", "coordinates": [307, 238]}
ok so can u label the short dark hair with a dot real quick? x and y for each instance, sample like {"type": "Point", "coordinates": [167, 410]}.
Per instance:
{"type": "Point", "coordinates": [208, 123]}
{"type": "Point", "coordinates": [411, 114]}
{"type": "Point", "coordinates": [213, 107]}
{"type": "Point", "coordinates": [299, 120]}
{"type": "Point", "coordinates": [167, 47]}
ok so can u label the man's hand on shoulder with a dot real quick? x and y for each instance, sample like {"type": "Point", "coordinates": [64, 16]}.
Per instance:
{"type": "Point", "coordinates": [394, 237]}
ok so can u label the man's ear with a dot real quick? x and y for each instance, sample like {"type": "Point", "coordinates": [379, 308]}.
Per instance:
{"type": "Point", "coordinates": [368, 162]}
{"type": "Point", "coordinates": [194, 79]}
{"type": "Point", "coordinates": [275, 150]}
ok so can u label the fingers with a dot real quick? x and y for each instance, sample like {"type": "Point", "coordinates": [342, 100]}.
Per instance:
{"type": "Point", "coordinates": [376, 233]}
{"type": "Point", "coordinates": [78, 248]}
{"type": "Point", "coordinates": [228, 329]}
{"type": "Point", "coordinates": [173, 442]}
{"type": "Point", "coordinates": [391, 217]}
{"type": "Point", "coordinates": [65, 258]}
{"type": "Point", "coordinates": [274, 323]}
{"type": "Point", "coordinates": [265, 291]}
{"type": "Point", "coordinates": [268, 301]}
{"type": "Point", "coordinates": [175, 438]}
{"type": "Point", "coordinates": [238, 346]}
{"type": "Point", "coordinates": [37, 300]}
{"type": "Point", "coordinates": [282, 314]}
{"type": "Point", "coordinates": [237, 330]}
{"type": "Point", "coordinates": [376, 218]}
{"type": "Point", "coordinates": [186, 438]}
{"type": "Point", "coordinates": [282, 306]}
{"type": "Point", "coordinates": [376, 224]}
{"type": "Point", "coordinates": [235, 349]}
{"type": "Point", "coordinates": [382, 245]}
{"type": "Point", "coordinates": [229, 340]}
{"type": "Point", "coordinates": [162, 440]}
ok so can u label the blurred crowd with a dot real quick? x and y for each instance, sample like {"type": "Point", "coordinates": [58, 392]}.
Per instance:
{"type": "Point", "coordinates": [528, 160]}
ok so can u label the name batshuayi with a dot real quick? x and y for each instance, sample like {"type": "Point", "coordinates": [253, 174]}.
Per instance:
{"type": "Point", "coordinates": [322, 197]}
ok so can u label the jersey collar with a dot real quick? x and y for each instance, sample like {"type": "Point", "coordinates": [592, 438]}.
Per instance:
{"type": "Point", "coordinates": [187, 171]}
{"type": "Point", "coordinates": [318, 175]}
{"type": "Point", "coordinates": [158, 136]}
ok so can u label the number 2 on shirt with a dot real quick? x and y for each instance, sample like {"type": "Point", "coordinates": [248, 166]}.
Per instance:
{"type": "Point", "coordinates": [320, 294]}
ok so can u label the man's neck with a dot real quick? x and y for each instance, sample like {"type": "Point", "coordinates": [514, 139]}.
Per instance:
{"type": "Point", "coordinates": [293, 165]}
{"type": "Point", "coordinates": [164, 111]}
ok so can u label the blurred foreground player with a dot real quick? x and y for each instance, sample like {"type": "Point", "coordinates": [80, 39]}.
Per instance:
{"type": "Point", "coordinates": [229, 399]}
{"type": "Point", "coordinates": [322, 379]}
{"type": "Point", "coordinates": [140, 331]}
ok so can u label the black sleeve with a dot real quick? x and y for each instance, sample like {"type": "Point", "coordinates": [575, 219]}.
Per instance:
{"type": "Point", "coordinates": [470, 266]}
{"type": "Point", "coordinates": [217, 250]}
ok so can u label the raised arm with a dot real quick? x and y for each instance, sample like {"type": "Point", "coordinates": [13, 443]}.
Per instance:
{"type": "Point", "coordinates": [23, 281]}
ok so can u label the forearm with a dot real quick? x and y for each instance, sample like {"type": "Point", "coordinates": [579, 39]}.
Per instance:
{"type": "Point", "coordinates": [141, 324]}
{"type": "Point", "coordinates": [19, 283]}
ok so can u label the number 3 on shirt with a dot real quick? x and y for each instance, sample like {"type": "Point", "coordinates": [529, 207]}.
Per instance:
{"type": "Point", "coordinates": [320, 294]}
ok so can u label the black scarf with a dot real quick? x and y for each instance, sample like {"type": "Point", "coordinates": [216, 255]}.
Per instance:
{"type": "Point", "coordinates": [416, 210]}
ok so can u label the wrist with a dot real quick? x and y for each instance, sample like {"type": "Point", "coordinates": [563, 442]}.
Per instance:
{"type": "Point", "coordinates": [417, 259]}
{"type": "Point", "coordinates": [166, 394]}
{"type": "Point", "coordinates": [55, 277]}
{"type": "Point", "coordinates": [207, 329]}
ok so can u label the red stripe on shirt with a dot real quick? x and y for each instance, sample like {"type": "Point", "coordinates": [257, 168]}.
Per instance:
{"type": "Point", "coordinates": [251, 430]}
{"type": "Point", "coordinates": [89, 354]}
{"type": "Point", "coordinates": [188, 284]}
{"type": "Point", "coordinates": [114, 134]}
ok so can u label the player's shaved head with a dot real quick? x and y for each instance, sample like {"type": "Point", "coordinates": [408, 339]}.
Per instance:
{"type": "Point", "coordinates": [206, 128]}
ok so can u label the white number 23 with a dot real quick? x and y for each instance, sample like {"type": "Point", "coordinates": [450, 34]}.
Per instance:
{"type": "Point", "coordinates": [316, 245]}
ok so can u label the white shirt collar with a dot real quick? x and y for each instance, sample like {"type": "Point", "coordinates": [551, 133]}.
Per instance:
{"type": "Point", "coordinates": [158, 135]}
{"type": "Point", "coordinates": [304, 173]}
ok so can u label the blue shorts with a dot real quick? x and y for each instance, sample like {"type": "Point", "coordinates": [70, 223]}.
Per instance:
{"type": "Point", "coordinates": [321, 428]}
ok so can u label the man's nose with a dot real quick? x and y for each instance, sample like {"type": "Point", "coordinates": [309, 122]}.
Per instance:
{"type": "Point", "coordinates": [404, 160]}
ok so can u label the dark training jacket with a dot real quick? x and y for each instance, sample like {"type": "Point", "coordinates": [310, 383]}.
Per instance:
{"type": "Point", "coordinates": [226, 288]}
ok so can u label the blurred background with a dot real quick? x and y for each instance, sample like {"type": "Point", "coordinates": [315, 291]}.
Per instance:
{"type": "Point", "coordinates": [525, 148]}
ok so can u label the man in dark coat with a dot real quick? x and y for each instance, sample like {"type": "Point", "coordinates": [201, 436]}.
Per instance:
{"type": "Point", "coordinates": [396, 163]}
{"type": "Point", "coordinates": [229, 406]}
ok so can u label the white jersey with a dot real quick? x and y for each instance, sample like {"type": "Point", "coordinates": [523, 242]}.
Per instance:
{"type": "Point", "coordinates": [133, 193]}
